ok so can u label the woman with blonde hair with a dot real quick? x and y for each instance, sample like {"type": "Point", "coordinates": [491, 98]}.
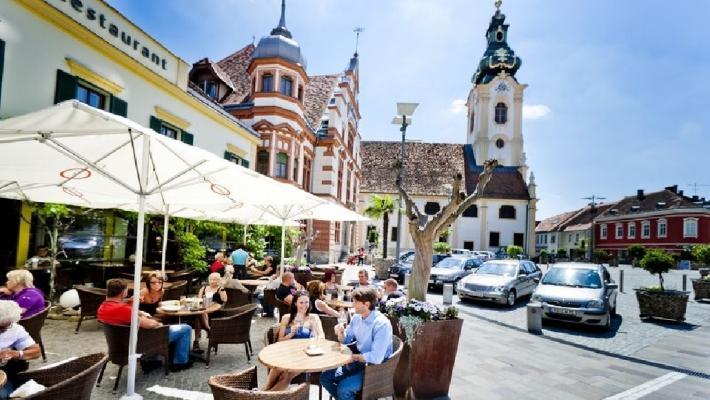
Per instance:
{"type": "Point", "coordinates": [20, 288]}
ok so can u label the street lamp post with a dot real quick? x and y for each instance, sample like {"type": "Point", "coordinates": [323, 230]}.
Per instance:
{"type": "Point", "coordinates": [404, 119]}
{"type": "Point", "coordinates": [592, 210]}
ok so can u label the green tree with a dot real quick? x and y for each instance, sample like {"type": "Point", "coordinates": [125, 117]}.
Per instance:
{"type": "Point", "coordinates": [701, 253]}
{"type": "Point", "coordinates": [561, 253]}
{"type": "Point", "coordinates": [657, 261]}
{"type": "Point", "coordinates": [442, 248]}
{"type": "Point", "coordinates": [514, 251]}
{"type": "Point", "coordinates": [636, 252]}
{"type": "Point", "coordinates": [192, 251]}
{"type": "Point", "coordinates": [381, 207]}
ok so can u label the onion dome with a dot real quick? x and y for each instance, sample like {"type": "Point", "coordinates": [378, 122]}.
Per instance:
{"type": "Point", "coordinates": [498, 57]}
{"type": "Point", "coordinates": [280, 43]}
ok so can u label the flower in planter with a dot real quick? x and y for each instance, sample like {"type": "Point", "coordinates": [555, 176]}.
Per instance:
{"type": "Point", "coordinates": [413, 313]}
{"type": "Point", "coordinates": [302, 268]}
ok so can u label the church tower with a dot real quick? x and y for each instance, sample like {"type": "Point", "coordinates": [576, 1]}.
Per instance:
{"type": "Point", "coordinates": [495, 101]}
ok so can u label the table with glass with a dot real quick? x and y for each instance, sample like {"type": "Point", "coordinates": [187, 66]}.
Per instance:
{"type": "Point", "coordinates": [291, 356]}
{"type": "Point", "coordinates": [195, 314]}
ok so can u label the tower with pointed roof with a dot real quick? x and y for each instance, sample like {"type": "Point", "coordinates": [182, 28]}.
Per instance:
{"type": "Point", "coordinates": [308, 123]}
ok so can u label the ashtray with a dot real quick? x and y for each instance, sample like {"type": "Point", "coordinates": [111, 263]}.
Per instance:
{"type": "Point", "coordinates": [313, 351]}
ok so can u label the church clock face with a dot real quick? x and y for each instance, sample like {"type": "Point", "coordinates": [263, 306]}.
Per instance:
{"type": "Point", "coordinates": [500, 143]}
{"type": "Point", "coordinates": [502, 87]}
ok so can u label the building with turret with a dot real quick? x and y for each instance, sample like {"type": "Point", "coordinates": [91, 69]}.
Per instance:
{"type": "Point", "coordinates": [308, 124]}
{"type": "Point", "coordinates": [505, 215]}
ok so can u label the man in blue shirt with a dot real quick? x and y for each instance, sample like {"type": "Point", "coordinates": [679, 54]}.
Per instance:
{"type": "Point", "coordinates": [239, 259]}
{"type": "Point", "coordinates": [372, 332]}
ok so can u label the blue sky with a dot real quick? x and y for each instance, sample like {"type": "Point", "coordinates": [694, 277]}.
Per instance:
{"type": "Point", "coordinates": [618, 90]}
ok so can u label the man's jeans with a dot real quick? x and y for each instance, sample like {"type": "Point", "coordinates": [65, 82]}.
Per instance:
{"type": "Point", "coordinates": [345, 382]}
{"type": "Point", "coordinates": [241, 271]}
{"type": "Point", "coordinates": [268, 308]}
{"type": "Point", "coordinates": [181, 335]}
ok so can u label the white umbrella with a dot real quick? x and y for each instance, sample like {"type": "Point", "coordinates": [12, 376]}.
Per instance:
{"type": "Point", "coordinates": [75, 154]}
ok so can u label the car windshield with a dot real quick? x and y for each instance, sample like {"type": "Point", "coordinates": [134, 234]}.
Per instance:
{"type": "Point", "coordinates": [450, 263]}
{"type": "Point", "coordinates": [409, 259]}
{"type": "Point", "coordinates": [490, 268]}
{"type": "Point", "coordinates": [573, 277]}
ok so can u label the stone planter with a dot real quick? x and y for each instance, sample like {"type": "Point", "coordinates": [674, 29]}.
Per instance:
{"type": "Point", "coordinates": [704, 272]}
{"type": "Point", "coordinates": [670, 304]}
{"type": "Point", "coordinates": [424, 371]}
{"type": "Point", "coordinates": [701, 287]}
{"type": "Point", "coordinates": [382, 267]}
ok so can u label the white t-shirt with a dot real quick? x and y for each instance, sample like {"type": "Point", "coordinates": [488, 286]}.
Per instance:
{"type": "Point", "coordinates": [15, 337]}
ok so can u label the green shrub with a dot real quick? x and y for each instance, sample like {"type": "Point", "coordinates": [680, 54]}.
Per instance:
{"type": "Point", "coordinates": [636, 252]}
{"type": "Point", "coordinates": [561, 253]}
{"type": "Point", "coordinates": [657, 261]}
{"type": "Point", "coordinates": [442, 248]}
{"type": "Point", "coordinates": [513, 251]}
{"type": "Point", "coordinates": [701, 253]}
{"type": "Point", "coordinates": [602, 256]}
{"type": "Point", "coordinates": [192, 251]}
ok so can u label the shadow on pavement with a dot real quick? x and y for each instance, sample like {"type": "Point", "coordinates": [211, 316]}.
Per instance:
{"type": "Point", "coordinates": [670, 324]}
{"type": "Point", "coordinates": [488, 305]}
{"type": "Point", "coordinates": [584, 330]}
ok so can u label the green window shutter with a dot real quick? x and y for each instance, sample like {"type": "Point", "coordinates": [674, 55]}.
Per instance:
{"type": "Point", "coordinates": [227, 155]}
{"type": "Point", "coordinates": [155, 124]}
{"type": "Point", "coordinates": [187, 138]}
{"type": "Point", "coordinates": [245, 163]}
{"type": "Point", "coordinates": [118, 106]}
{"type": "Point", "coordinates": [66, 87]}
{"type": "Point", "coordinates": [2, 63]}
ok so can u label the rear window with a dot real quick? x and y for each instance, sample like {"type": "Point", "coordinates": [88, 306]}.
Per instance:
{"type": "Point", "coordinates": [573, 277]}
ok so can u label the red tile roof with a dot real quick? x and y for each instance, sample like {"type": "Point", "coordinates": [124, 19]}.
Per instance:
{"type": "Point", "coordinates": [316, 96]}
{"type": "Point", "coordinates": [235, 67]}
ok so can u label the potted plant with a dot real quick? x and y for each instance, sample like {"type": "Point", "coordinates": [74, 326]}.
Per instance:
{"type": "Point", "coordinates": [636, 253]}
{"type": "Point", "coordinates": [514, 251]}
{"type": "Point", "coordinates": [431, 338]}
{"type": "Point", "coordinates": [656, 301]}
{"type": "Point", "coordinates": [701, 286]}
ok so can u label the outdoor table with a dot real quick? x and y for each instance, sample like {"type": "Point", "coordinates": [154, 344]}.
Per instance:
{"type": "Point", "coordinates": [196, 314]}
{"type": "Point", "coordinates": [3, 378]}
{"type": "Point", "coordinates": [253, 284]}
{"type": "Point", "coordinates": [339, 303]}
{"type": "Point", "coordinates": [148, 271]}
{"type": "Point", "coordinates": [290, 355]}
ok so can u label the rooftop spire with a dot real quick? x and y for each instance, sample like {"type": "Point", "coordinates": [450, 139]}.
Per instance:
{"type": "Point", "coordinates": [281, 29]}
{"type": "Point", "coordinates": [357, 31]}
{"type": "Point", "coordinates": [498, 4]}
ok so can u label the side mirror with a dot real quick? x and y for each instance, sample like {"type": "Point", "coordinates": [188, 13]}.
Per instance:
{"type": "Point", "coordinates": [612, 286]}
{"type": "Point", "coordinates": [536, 279]}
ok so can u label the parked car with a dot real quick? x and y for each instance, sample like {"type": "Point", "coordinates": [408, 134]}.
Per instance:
{"type": "Point", "coordinates": [461, 252]}
{"type": "Point", "coordinates": [484, 255]}
{"type": "Point", "coordinates": [452, 269]}
{"type": "Point", "coordinates": [82, 245]}
{"type": "Point", "coordinates": [578, 292]}
{"type": "Point", "coordinates": [404, 267]}
{"type": "Point", "coordinates": [403, 255]}
{"type": "Point", "coordinates": [502, 281]}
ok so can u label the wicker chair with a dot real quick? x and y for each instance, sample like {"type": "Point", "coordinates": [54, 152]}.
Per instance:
{"type": "Point", "coordinates": [378, 380]}
{"type": "Point", "coordinates": [284, 308]}
{"type": "Point", "coordinates": [33, 325]}
{"type": "Point", "coordinates": [237, 298]}
{"type": "Point", "coordinates": [175, 290]}
{"type": "Point", "coordinates": [90, 298]}
{"type": "Point", "coordinates": [269, 299]}
{"type": "Point", "coordinates": [184, 275]}
{"type": "Point", "coordinates": [328, 322]}
{"type": "Point", "coordinates": [240, 385]}
{"type": "Point", "coordinates": [73, 379]}
{"type": "Point", "coordinates": [233, 329]}
{"type": "Point", "coordinates": [151, 342]}
{"type": "Point", "coordinates": [303, 277]}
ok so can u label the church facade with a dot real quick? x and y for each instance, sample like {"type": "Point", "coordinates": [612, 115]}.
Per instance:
{"type": "Point", "coordinates": [308, 124]}
{"type": "Point", "coordinates": [505, 214]}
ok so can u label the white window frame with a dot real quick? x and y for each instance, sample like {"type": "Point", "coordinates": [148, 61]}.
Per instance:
{"type": "Point", "coordinates": [603, 231]}
{"type": "Point", "coordinates": [645, 226]}
{"type": "Point", "coordinates": [687, 223]}
{"type": "Point", "coordinates": [552, 239]}
{"type": "Point", "coordinates": [619, 231]}
{"type": "Point", "coordinates": [631, 230]}
{"type": "Point", "coordinates": [664, 222]}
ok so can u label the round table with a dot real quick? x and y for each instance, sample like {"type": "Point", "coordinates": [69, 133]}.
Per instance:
{"type": "Point", "coordinates": [252, 284]}
{"type": "Point", "coordinates": [3, 378]}
{"type": "Point", "coordinates": [290, 355]}
{"type": "Point", "coordinates": [188, 313]}
{"type": "Point", "coordinates": [339, 303]}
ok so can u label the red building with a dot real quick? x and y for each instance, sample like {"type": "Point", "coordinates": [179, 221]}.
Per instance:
{"type": "Point", "coordinates": [665, 219]}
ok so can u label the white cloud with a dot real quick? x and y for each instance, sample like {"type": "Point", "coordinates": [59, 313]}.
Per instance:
{"type": "Point", "coordinates": [458, 106]}
{"type": "Point", "coordinates": [536, 111]}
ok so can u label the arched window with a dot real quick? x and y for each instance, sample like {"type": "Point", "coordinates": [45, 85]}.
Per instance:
{"type": "Point", "coordinates": [262, 162]}
{"type": "Point", "coordinates": [281, 165]}
{"type": "Point", "coordinates": [501, 113]}
{"type": "Point", "coordinates": [506, 212]}
{"type": "Point", "coordinates": [471, 123]}
{"type": "Point", "coordinates": [471, 212]}
{"type": "Point", "coordinates": [431, 208]}
{"type": "Point", "coordinates": [267, 83]}
{"type": "Point", "coordinates": [300, 92]}
{"type": "Point", "coordinates": [286, 86]}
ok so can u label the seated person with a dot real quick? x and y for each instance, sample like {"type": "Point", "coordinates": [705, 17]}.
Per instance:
{"type": "Point", "coordinates": [316, 293]}
{"type": "Point", "coordinates": [228, 282]}
{"type": "Point", "coordinates": [16, 346]}
{"type": "Point", "coordinates": [219, 263]}
{"type": "Point", "coordinates": [41, 258]}
{"type": "Point", "coordinates": [363, 279]}
{"type": "Point", "coordinates": [298, 324]}
{"type": "Point", "coordinates": [391, 291]}
{"type": "Point", "coordinates": [372, 332]}
{"type": "Point", "coordinates": [274, 284]}
{"type": "Point", "coordinates": [115, 310]}
{"type": "Point", "coordinates": [287, 288]}
{"type": "Point", "coordinates": [214, 291]}
{"type": "Point", "coordinates": [20, 289]}
{"type": "Point", "coordinates": [152, 293]}
{"type": "Point", "coordinates": [267, 270]}
{"type": "Point", "coordinates": [331, 283]}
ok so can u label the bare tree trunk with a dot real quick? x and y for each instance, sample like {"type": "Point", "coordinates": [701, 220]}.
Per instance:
{"type": "Point", "coordinates": [53, 241]}
{"type": "Point", "coordinates": [421, 269]}
{"type": "Point", "coordinates": [304, 240]}
{"type": "Point", "coordinates": [385, 227]}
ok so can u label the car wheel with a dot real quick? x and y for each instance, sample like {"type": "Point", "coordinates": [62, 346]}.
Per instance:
{"type": "Point", "coordinates": [510, 300]}
{"type": "Point", "coordinates": [613, 311]}
{"type": "Point", "coordinates": [607, 326]}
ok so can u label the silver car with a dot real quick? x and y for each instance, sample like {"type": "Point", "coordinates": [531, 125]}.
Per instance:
{"type": "Point", "coordinates": [451, 269]}
{"type": "Point", "coordinates": [578, 292]}
{"type": "Point", "coordinates": [502, 281]}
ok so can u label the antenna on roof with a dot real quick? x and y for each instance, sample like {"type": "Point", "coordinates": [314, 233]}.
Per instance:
{"type": "Point", "coordinates": [357, 31]}
{"type": "Point", "coordinates": [696, 185]}
{"type": "Point", "coordinates": [253, 39]}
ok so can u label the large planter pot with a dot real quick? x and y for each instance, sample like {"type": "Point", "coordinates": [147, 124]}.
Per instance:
{"type": "Point", "coordinates": [670, 304]}
{"type": "Point", "coordinates": [424, 370]}
{"type": "Point", "coordinates": [701, 287]}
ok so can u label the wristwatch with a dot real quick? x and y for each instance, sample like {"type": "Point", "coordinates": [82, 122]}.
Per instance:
{"type": "Point", "coordinates": [20, 354]}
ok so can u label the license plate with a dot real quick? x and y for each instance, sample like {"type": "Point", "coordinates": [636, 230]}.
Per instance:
{"type": "Point", "coordinates": [564, 311]}
{"type": "Point", "coordinates": [394, 275]}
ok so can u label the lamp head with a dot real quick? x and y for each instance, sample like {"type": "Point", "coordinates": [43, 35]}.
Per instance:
{"type": "Point", "coordinates": [406, 108]}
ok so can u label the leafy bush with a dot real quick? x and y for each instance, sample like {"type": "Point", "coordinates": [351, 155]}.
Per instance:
{"type": "Point", "coordinates": [636, 252]}
{"type": "Point", "coordinates": [192, 251]}
{"type": "Point", "coordinates": [373, 236]}
{"type": "Point", "coordinates": [701, 253]}
{"type": "Point", "coordinates": [514, 251]}
{"type": "Point", "coordinates": [657, 261]}
{"type": "Point", "coordinates": [442, 248]}
{"type": "Point", "coordinates": [602, 256]}
{"type": "Point", "coordinates": [561, 253]}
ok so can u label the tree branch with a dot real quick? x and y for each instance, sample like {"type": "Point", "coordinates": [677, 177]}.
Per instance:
{"type": "Point", "coordinates": [411, 207]}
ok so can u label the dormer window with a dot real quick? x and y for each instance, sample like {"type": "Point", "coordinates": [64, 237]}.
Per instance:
{"type": "Point", "coordinates": [501, 116]}
{"type": "Point", "coordinates": [267, 83]}
{"type": "Point", "coordinates": [286, 86]}
{"type": "Point", "coordinates": [210, 88]}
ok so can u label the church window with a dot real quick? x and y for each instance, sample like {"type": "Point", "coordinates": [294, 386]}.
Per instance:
{"type": "Point", "coordinates": [262, 162]}
{"type": "Point", "coordinates": [499, 36]}
{"type": "Point", "coordinates": [494, 239]}
{"type": "Point", "coordinates": [501, 113]}
{"type": "Point", "coordinates": [286, 86]}
{"type": "Point", "coordinates": [506, 212]}
{"type": "Point", "coordinates": [500, 143]}
{"type": "Point", "coordinates": [431, 208]}
{"type": "Point", "coordinates": [471, 212]}
{"type": "Point", "coordinates": [518, 239]}
{"type": "Point", "coordinates": [473, 120]}
{"type": "Point", "coordinates": [267, 83]}
{"type": "Point", "coordinates": [281, 165]}
{"type": "Point", "coordinates": [300, 92]}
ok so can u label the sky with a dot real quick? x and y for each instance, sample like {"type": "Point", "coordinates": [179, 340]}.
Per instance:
{"type": "Point", "coordinates": [618, 90]}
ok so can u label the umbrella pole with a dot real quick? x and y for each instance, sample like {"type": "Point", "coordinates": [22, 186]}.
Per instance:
{"type": "Point", "coordinates": [283, 244]}
{"type": "Point", "coordinates": [137, 267]}
{"type": "Point", "coordinates": [244, 242]}
{"type": "Point", "coordinates": [165, 240]}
